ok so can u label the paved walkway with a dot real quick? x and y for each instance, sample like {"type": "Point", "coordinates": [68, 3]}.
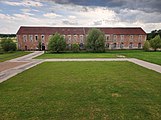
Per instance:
{"type": "Point", "coordinates": [12, 67]}
{"type": "Point", "coordinates": [27, 61]}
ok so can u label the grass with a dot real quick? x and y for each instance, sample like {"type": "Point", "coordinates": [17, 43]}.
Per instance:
{"type": "Point", "coordinates": [76, 55]}
{"type": "Point", "coordinates": [11, 55]}
{"type": "Point", "coordinates": [153, 57]}
{"type": "Point", "coordinates": [82, 90]}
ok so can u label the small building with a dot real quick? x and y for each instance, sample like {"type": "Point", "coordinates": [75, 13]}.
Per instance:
{"type": "Point", "coordinates": [116, 38]}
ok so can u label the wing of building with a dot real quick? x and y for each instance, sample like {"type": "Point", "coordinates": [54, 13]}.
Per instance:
{"type": "Point", "coordinates": [116, 38]}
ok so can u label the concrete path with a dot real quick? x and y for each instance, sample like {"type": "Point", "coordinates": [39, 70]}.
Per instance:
{"type": "Point", "coordinates": [30, 62]}
{"type": "Point", "coordinates": [147, 65]}
{"type": "Point", "coordinates": [18, 65]}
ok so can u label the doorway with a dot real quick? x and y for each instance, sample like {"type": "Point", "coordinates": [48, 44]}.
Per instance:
{"type": "Point", "coordinates": [25, 47]}
{"type": "Point", "coordinates": [43, 46]}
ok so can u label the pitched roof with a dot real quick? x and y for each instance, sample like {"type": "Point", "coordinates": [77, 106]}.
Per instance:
{"type": "Point", "coordinates": [80, 30]}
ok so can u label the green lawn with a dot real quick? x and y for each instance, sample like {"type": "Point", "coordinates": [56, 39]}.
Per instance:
{"type": "Point", "coordinates": [77, 55]}
{"type": "Point", "coordinates": [82, 91]}
{"type": "Point", "coordinates": [8, 56]}
{"type": "Point", "coordinates": [153, 57]}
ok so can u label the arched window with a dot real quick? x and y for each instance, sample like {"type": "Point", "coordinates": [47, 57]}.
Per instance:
{"type": "Point", "coordinates": [122, 45]}
{"type": "Point", "coordinates": [139, 45]}
{"type": "Point", "coordinates": [131, 45]}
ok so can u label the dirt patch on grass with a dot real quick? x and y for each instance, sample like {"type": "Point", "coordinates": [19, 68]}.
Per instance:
{"type": "Point", "coordinates": [9, 65]}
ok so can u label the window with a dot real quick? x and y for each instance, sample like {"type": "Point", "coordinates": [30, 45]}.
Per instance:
{"type": "Point", "coordinates": [24, 38]}
{"type": "Point", "coordinates": [131, 45]}
{"type": "Point", "coordinates": [107, 37]}
{"type": "Point", "coordinates": [42, 37]}
{"type": "Point", "coordinates": [131, 37]}
{"type": "Point", "coordinates": [75, 38]}
{"type": "Point", "coordinates": [122, 45]}
{"type": "Point", "coordinates": [81, 45]}
{"type": "Point", "coordinates": [115, 37]}
{"type": "Point", "coordinates": [69, 38]}
{"type": "Point", "coordinates": [81, 38]}
{"type": "Point", "coordinates": [122, 38]}
{"type": "Point", "coordinates": [31, 37]}
{"type": "Point", "coordinates": [140, 37]}
{"type": "Point", "coordinates": [107, 45]}
{"type": "Point", "coordinates": [36, 37]}
{"type": "Point", "coordinates": [139, 45]}
{"type": "Point", "coordinates": [114, 45]}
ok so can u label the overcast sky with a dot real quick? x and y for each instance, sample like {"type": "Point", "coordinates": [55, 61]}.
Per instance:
{"type": "Point", "coordinates": [104, 13]}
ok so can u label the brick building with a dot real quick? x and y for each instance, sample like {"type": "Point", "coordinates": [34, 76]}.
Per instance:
{"type": "Point", "coordinates": [116, 38]}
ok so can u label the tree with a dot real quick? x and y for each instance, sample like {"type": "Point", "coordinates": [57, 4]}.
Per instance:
{"type": "Point", "coordinates": [56, 43]}
{"type": "Point", "coordinates": [155, 42]}
{"type": "Point", "coordinates": [39, 45]}
{"type": "Point", "coordinates": [146, 46]}
{"type": "Point", "coordinates": [8, 45]}
{"type": "Point", "coordinates": [75, 47]}
{"type": "Point", "coordinates": [153, 34]}
{"type": "Point", "coordinates": [96, 41]}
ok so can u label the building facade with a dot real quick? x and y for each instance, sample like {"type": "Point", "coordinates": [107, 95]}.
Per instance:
{"type": "Point", "coordinates": [115, 38]}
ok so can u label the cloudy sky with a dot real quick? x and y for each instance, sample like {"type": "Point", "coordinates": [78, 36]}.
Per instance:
{"type": "Point", "coordinates": [104, 13]}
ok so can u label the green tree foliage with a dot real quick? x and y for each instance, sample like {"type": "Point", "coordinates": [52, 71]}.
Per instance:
{"type": "Point", "coordinates": [96, 41]}
{"type": "Point", "coordinates": [155, 42]}
{"type": "Point", "coordinates": [146, 46]}
{"type": "Point", "coordinates": [75, 47]}
{"type": "Point", "coordinates": [39, 45]}
{"type": "Point", "coordinates": [56, 43]}
{"type": "Point", "coordinates": [153, 34]}
{"type": "Point", "coordinates": [1, 50]}
{"type": "Point", "coordinates": [8, 45]}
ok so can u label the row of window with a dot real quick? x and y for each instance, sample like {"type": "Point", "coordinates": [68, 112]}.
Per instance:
{"type": "Point", "coordinates": [115, 37]}
{"type": "Point", "coordinates": [114, 45]}
{"type": "Point", "coordinates": [36, 38]}
{"type": "Point", "coordinates": [81, 37]}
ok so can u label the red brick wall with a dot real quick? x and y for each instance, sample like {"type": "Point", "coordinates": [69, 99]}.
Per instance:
{"type": "Point", "coordinates": [32, 45]}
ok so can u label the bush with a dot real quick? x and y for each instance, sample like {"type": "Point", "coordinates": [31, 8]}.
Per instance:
{"type": "Point", "coordinates": [146, 46]}
{"type": "Point", "coordinates": [75, 47]}
{"type": "Point", "coordinates": [155, 43]}
{"type": "Point", "coordinates": [56, 43]}
{"type": "Point", "coordinates": [8, 45]}
{"type": "Point", "coordinates": [1, 50]}
{"type": "Point", "coordinates": [96, 41]}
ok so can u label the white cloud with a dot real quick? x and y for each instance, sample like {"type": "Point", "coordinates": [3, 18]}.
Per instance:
{"type": "Point", "coordinates": [51, 15]}
{"type": "Point", "coordinates": [24, 3]}
{"type": "Point", "coordinates": [73, 15]}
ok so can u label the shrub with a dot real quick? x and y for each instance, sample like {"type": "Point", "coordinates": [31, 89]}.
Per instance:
{"type": "Point", "coordinates": [75, 47]}
{"type": "Point", "coordinates": [8, 45]}
{"type": "Point", "coordinates": [146, 46]}
{"type": "Point", "coordinates": [56, 43]}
